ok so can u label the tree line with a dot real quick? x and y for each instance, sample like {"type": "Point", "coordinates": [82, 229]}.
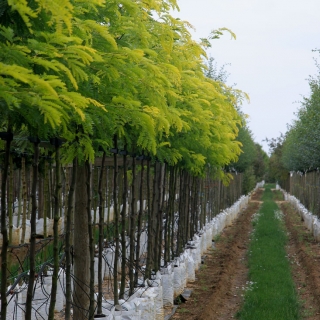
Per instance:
{"type": "Point", "coordinates": [86, 79]}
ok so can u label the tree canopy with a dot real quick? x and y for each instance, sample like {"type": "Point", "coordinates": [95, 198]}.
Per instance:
{"type": "Point", "coordinates": [88, 70]}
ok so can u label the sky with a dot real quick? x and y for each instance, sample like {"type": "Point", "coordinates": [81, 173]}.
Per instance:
{"type": "Point", "coordinates": [271, 58]}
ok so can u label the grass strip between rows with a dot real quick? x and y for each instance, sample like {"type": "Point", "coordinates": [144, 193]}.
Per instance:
{"type": "Point", "coordinates": [270, 294]}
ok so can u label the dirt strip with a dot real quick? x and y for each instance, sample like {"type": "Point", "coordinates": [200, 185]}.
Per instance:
{"type": "Point", "coordinates": [220, 282]}
{"type": "Point", "coordinates": [304, 254]}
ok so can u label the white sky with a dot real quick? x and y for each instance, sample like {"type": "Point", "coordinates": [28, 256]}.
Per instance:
{"type": "Point", "coordinates": [271, 58]}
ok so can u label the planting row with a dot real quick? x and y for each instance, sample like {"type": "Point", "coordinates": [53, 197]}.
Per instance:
{"type": "Point", "coordinates": [149, 297]}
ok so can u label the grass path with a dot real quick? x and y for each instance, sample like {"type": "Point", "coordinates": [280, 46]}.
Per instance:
{"type": "Point", "coordinates": [270, 293]}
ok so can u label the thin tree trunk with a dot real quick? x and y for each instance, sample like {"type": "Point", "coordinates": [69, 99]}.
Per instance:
{"type": "Point", "coordinates": [123, 226]}
{"type": "Point", "coordinates": [101, 222]}
{"type": "Point", "coordinates": [180, 213]}
{"type": "Point", "coordinates": [95, 193]}
{"type": "Point", "coordinates": [132, 227]}
{"type": "Point", "coordinates": [81, 300]}
{"type": "Point", "coordinates": [157, 214]}
{"type": "Point", "coordinates": [19, 198]}
{"type": "Point", "coordinates": [185, 209]}
{"type": "Point", "coordinates": [160, 213]}
{"type": "Point", "coordinates": [24, 192]}
{"type": "Point", "coordinates": [50, 190]}
{"type": "Point", "coordinates": [150, 227]}
{"type": "Point", "coordinates": [10, 198]}
{"type": "Point", "coordinates": [66, 171]}
{"type": "Point", "coordinates": [168, 218]}
{"type": "Point", "coordinates": [4, 231]}
{"type": "Point", "coordinates": [46, 199]}
{"type": "Point", "coordinates": [139, 223]}
{"type": "Point", "coordinates": [91, 239]}
{"type": "Point", "coordinates": [40, 198]}
{"type": "Point", "coordinates": [33, 231]}
{"type": "Point", "coordinates": [67, 239]}
{"type": "Point", "coordinates": [55, 236]}
{"type": "Point", "coordinates": [173, 211]}
{"type": "Point", "coordinates": [109, 198]}
{"type": "Point", "coordinates": [188, 235]}
{"type": "Point", "coordinates": [116, 223]}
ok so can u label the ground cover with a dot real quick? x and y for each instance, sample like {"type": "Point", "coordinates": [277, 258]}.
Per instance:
{"type": "Point", "coordinates": [272, 293]}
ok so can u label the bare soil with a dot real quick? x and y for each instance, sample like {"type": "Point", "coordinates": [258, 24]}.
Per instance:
{"type": "Point", "coordinates": [217, 292]}
{"type": "Point", "coordinates": [304, 254]}
{"type": "Point", "coordinates": [256, 196]}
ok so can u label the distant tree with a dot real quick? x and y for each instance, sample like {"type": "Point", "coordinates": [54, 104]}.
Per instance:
{"type": "Point", "coordinates": [301, 147]}
{"type": "Point", "coordinates": [216, 73]}
{"type": "Point", "coordinates": [276, 172]}
{"type": "Point", "coordinates": [260, 163]}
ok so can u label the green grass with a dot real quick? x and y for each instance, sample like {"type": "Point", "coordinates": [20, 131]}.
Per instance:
{"type": "Point", "coordinates": [271, 293]}
{"type": "Point", "coordinates": [183, 310]}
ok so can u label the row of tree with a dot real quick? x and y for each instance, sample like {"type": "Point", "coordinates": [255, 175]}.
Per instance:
{"type": "Point", "coordinates": [96, 78]}
{"type": "Point", "coordinates": [298, 149]}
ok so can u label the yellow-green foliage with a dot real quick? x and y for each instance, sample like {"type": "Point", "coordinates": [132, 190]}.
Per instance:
{"type": "Point", "coordinates": [86, 70]}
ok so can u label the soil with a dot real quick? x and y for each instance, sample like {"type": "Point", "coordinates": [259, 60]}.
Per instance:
{"type": "Point", "coordinates": [220, 282]}
{"type": "Point", "coordinates": [218, 290]}
{"type": "Point", "coordinates": [304, 254]}
{"type": "Point", "coordinates": [256, 196]}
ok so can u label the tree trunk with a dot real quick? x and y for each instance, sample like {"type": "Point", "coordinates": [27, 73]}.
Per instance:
{"type": "Point", "coordinates": [132, 227]}
{"type": "Point", "coordinates": [157, 214]}
{"type": "Point", "coordinates": [40, 198]}
{"type": "Point", "coordinates": [101, 222]}
{"type": "Point", "coordinates": [19, 198]}
{"type": "Point", "coordinates": [181, 221]}
{"type": "Point", "coordinates": [116, 223]}
{"type": "Point", "coordinates": [168, 218]}
{"type": "Point", "coordinates": [55, 236]}
{"type": "Point", "coordinates": [175, 172]}
{"type": "Point", "coordinates": [81, 299]}
{"type": "Point", "coordinates": [67, 239]}
{"type": "Point", "coordinates": [123, 226]}
{"type": "Point", "coordinates": [91, 239]}
{"type": "Point", "coordinates": [10, 198]}
{"type": "Point", "coordinates": [24, 195]}
{"type": "Point", "coordinates": [161, 211]}
{"type": "Point", "coordinates": [139, 223]}
{"type": "Point", "coordinates": [32, 271]}
{"type": "Point", "coordinates": [46, 199]}
{"type": "Point", "coordinates": [150, 227]}
{"type": "Point", "coordinates": [188, 235]}
{"type": "Point", "coordinates": [4, 231]}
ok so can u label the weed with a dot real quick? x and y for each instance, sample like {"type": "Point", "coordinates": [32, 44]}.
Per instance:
{"type": "Point", "coordinates": [203, 267]}
{"type": "Point", "coordinates": [217, 238]}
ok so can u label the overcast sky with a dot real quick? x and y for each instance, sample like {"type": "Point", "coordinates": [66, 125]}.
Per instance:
{"type": "Point", "coordinates": [271, 58]}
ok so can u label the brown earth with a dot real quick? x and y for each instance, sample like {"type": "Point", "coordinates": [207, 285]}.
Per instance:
{"type": "Point", "coordinates": [304, 254]}
{"type": "Point", "coordinates": [256, 196]}
{"type": "Point", "coordinates": [218, 290]}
